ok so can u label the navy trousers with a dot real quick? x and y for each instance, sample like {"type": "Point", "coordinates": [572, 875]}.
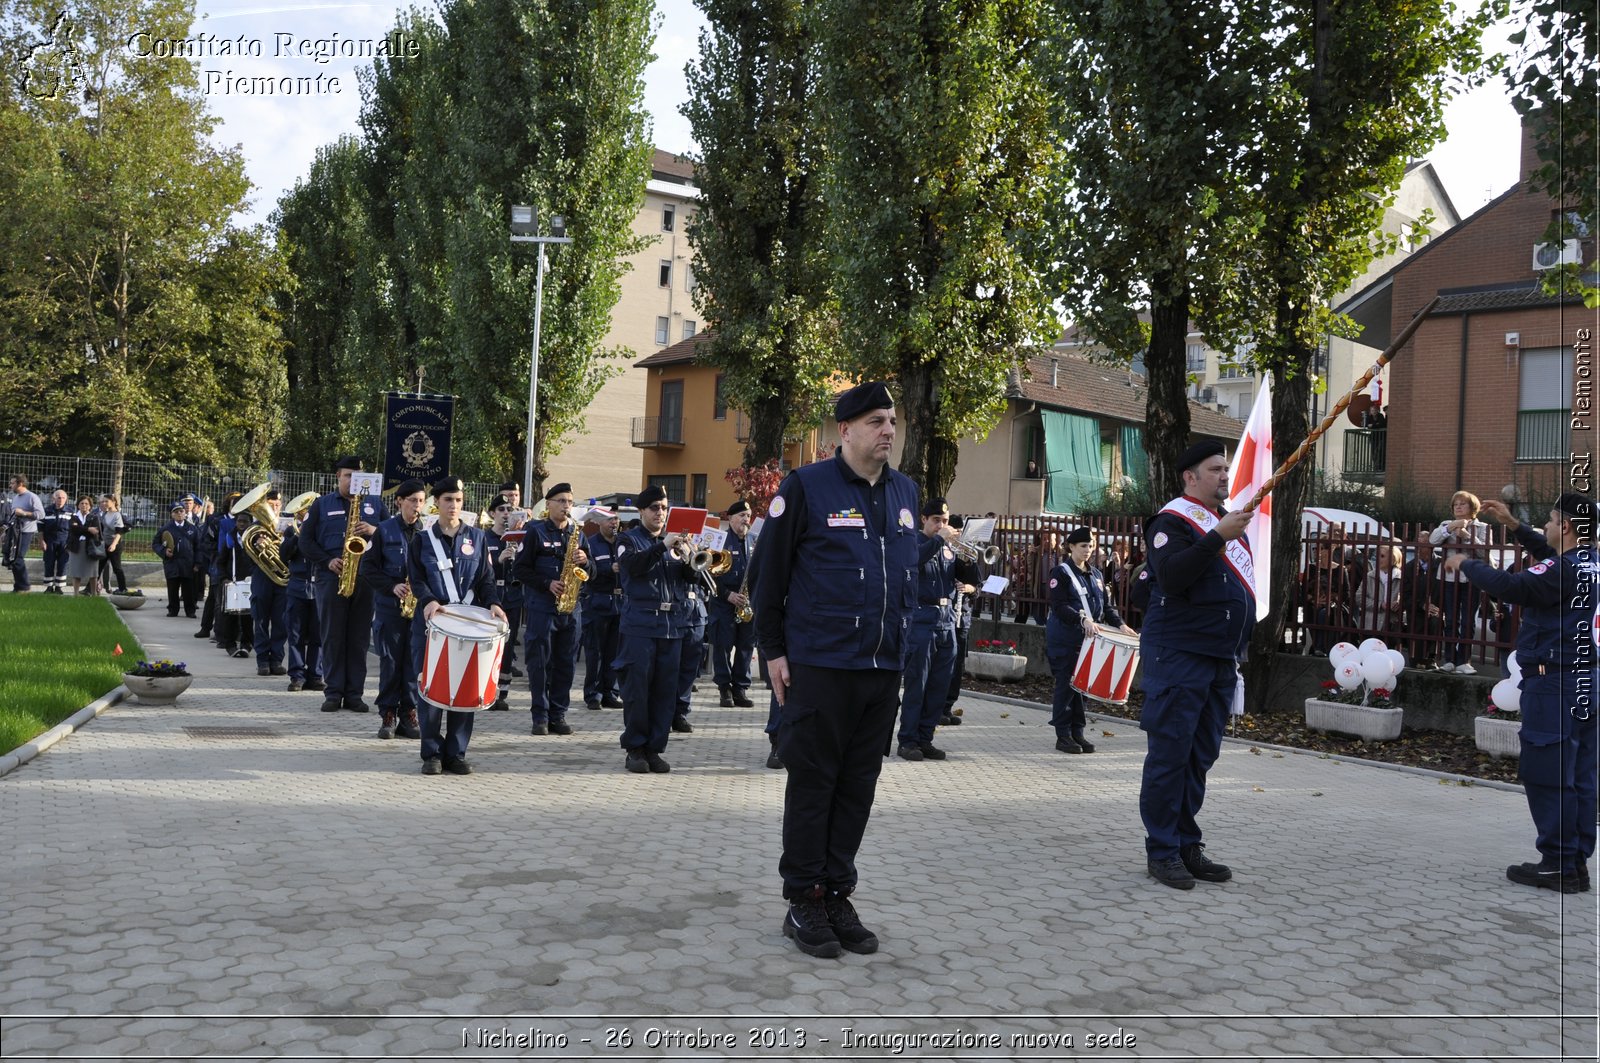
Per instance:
{"type": "Point", "coordinates": [551, 661]}
{"type": "Point", "coordinates": [694, 648]}
{"type": "Point", "coordinates": [1066, 707]}
{"type": "Point", "coordinates": [269, 609]}
{"type": "Point", "coordinates": [1558, 766]}
{"type": "Point", "coordinates": [931, 655]}
{"type": "Point", "coordinates": [397, 667]}
{"type": "Point", "coordinates": [302, 639]}
{"type": "Point", "coordinates": [601, 635]}
{"type": "Point", "coordinates": [444, 734]}
{"type": "Point", "coordinates": [650, 669]}
{"type": "Point", "coordinates": [731, 647]}
{"type": "Point", "coordinates": [957, 669]}
{"type": "Point", "coordinates": [1187, 697]}
{"type": "Point", "coordinates": [346, 634]}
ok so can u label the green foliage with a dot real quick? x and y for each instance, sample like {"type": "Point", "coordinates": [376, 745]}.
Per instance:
{"type": "Point", "coordinates": [119, 268]}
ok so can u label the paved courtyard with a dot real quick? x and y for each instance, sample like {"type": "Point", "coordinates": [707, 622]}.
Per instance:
{"type": "Point", "coordinates": [301, 890]}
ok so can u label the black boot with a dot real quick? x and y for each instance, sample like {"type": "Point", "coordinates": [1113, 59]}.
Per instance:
{"type": "Point", "coordinates": [1084, 745]}
{"type": "Point", "coordinates": [727, 697]}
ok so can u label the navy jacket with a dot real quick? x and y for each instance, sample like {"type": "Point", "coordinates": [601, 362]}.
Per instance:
{"type": "Point", "coordinates": [471, 568]}
{"type": "Point", "coordinates": [177, 563]}
{"type": "Point", "coordinates": [1557, 599]}
{"type": "Point", "coordinates": [55, 523]}
{"type": "Point", "coordinates": [938, 572]}
{"type": "Point", "coordinates": [322, 532]}
{"type": "Point", "coordinates": [386, 563]}
{"type": "Point", "coordinates": [659, 595]}
{"type": "Point", "coordinates": [539, 562]}
{"type": "Point", "coordinates": [837, 581]}
{"type": "Point", "coordinates": [730, 581]}
{"type": "Point", "coordinates": [602, 595]}
{"type": "Point", "coordinates": [1064, 628]}
{"type": "Point", "coordinates": [1197, 603]}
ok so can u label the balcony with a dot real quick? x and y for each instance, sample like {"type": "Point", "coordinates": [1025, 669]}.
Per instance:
{"type": "Point", "coordinates": [1366, 454]}
{"type": "Point", "coordinates": [1230, 371]}
{"type": "Point", "coordinates": [657, 432]}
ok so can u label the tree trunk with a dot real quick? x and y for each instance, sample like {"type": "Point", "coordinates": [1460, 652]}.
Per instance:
{"type": "Point", "coordinates": [919, 416]}
{"type": "Point", "coordinates": [1166, 424]}
{"type": "Point", "coordinates": [769, 420]}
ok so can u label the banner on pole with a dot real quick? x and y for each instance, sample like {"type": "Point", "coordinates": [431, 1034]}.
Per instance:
{"type": "Point", "coordinates": [416, 432]}
{"type": "Point", "coordinates": [1252, 466]}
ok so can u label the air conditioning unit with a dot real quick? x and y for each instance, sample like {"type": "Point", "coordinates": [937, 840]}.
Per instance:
{"type": "Point", "coordinates": [1549, 256]}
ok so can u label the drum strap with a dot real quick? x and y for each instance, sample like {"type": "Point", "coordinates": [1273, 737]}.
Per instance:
{"type": "Point", "coordinates": [1083, 595]}
{"type": "Point", "coordinates": [447, 569]}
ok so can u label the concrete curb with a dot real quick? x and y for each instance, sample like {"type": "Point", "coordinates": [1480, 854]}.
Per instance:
{"type": "Point", "coordinates": [30, 749]}
{"type": "Point", "coordinates": [1341, 758]}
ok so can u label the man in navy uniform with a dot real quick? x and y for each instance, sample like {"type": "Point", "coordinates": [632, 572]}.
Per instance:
{"type": "Point", "coordinates": [691, 658]}
{"type": "Point", "coordinates": [834, 593]}
{"type": "Point", "coordinates": [1079, 605]}
{"type": "Point", "coordinates": [387, 570]}
{"type": "Point", "coordinates": [656, 612]}
{"type": "Point", "coordinates": [346, 622]}
{"type": "Point", "coordinates": [503, 556]}
{"type": "Point", "coordinates": [269, 609]}
{"type": "Point", "coordinates": [53, 537]}
{"type": "Point", "coordinates": [177, 560]}
{"type": "Point", "coordinates": [302, 632]}
{"type": "Point", "coordinates": [552, 637]}
{"type": "Point", "coordinates": [732, 642]}
{"type": "Point", "coordinates": [602, 615]}
{"type": "Point", "coordinates": [964, 605]}
{"type": "Point", "coordinates": [1202, 611]}
{"type": "Point", "coordinates": [1556, 651]}
{"type": "Point", "coordinates": [931, 651]}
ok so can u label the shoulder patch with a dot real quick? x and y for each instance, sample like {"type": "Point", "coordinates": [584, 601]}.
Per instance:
{"type": "Point", "coordinates": [777, 507]}
{"type": "Point", "coordinates": [1053, 582]}
{"type": "Point", "coordinates": [906, 520]}
{"type": "Point", "coordinates": [1144, 574]}
{"type": "Point", "coordinates": [1159, 541]}
{"type": "Point", "coordinates": [1543, 566]}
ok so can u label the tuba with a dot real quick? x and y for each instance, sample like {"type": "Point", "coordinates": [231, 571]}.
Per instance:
{"type": "Point", "coordinates": [261, 540]}
{"type": "Point", "coordinates": [299, 504]}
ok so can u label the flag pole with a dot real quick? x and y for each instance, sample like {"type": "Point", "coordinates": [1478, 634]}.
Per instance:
{"type": "Point", "coordinates": [1339, 407]}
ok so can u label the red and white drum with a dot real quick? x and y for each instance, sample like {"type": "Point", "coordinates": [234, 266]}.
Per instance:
{"type": "Point", "coordinates": [1106, 665]}
{"type": "Point", "coordinates": [461, 668]}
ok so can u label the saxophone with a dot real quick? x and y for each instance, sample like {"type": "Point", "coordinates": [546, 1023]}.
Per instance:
{"type": "Point", "coordinates": [408, 606]}
{"type": "Point", "coordinates": [572, 577]}
{"type": "Point", "coordinates": [744, 614]}
{"type": "Point", "coordinates": [354, 547]}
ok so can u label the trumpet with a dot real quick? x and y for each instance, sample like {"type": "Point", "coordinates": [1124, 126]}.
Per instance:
{"type": "Point", "coordinates": [977, 553]}
{"type": "Point", "coordinates": [712, 562]}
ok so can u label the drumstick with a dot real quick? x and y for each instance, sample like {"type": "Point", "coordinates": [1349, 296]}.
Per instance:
{"type": "Point", "coordinates": [496, 624]}
{"type": "Point", "coordinates": [1339, 407]}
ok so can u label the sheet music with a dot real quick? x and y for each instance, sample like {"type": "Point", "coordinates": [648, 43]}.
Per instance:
{"type": "Point", "coordinates": [980, 530]}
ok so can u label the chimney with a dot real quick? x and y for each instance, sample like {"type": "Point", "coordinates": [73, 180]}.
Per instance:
{"type": "Point", "coordinates": [1055, 372]}
{"type": "Point", "coordinates": [1530, 160]}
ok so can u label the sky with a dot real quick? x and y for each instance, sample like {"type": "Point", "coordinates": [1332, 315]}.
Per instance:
{"type": "Point", "coordinates": [280, 134]}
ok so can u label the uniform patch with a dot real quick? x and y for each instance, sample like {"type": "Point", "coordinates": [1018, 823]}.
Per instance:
{"type": "Point", "coordinates": [1159, 541]}
{"type": "Point", "coordinates": [1144, 575]}
{"type": "Point", "coordinates": [847, 518]}
{"type": "Point", "coordinates": [1543, 566]}
{"type": "Point", "coordinates": [467, 549]}
{"type": "Point", "coordinates": [1052, 583]}
{"type": "Point", "coordinates": [620, 550]}
{"type": "Point", "coordinates": [905, 519]}
{"type": "Point", "coordinates": [777, 507]}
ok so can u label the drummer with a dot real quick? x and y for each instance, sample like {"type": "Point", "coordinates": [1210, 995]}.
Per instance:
{"type": "Point", "coordinates": [449, 565]}
{"type": "Point", "coordinates": [1079, 609]}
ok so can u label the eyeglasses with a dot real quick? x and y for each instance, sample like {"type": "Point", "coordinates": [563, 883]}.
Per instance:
{"type": "Point", "coordinates": [660, 507]}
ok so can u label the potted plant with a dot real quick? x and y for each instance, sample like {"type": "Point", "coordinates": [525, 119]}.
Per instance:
{"type": "Point", "coordinates": [157, 682]}
{"type": "Point", "coordinates": [132, 600]}
{"type": "Point", "coordinates": [996, 659]}
{"type": "Point", "coordinates": [1359, 699]}
{"type": "Point", "coordinates": [1498, 731]}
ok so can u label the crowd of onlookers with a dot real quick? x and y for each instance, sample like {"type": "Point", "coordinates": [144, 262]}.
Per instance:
{"type": "Point", "coordinates": [80, 542]}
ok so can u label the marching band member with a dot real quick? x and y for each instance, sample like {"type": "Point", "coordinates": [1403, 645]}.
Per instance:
{"type": "Point", "coordinates": [931, 642]}
{"type": "Point", "coordinates": [655, 615]}
{"type": "Point", "coordinates": [963, 606]}
{"type": "Point", "coordinates": [269, 610]}
{"type": "Point", "coordinates": [227, 562]}
{"type": "Point", "coordinates": [552, 637]}
{"type": "Point", "coordinates": [691, 659]}
{"type": "Point", "coordinates": [1079, 605]}
{"type": "Point", "coordinates": [346, 622]}
{"type": "Point", "coordinates": [448, 564]}
{"type": "Point", "coordinates": [301, 632]}
{"type": "Point", "coordinates": [388, 573]}
{"type": "Point", "coordinates": [506, 518]}
{"type": "Point", "coordinates": [602, 615]}
{"type": "Point", "coordinates": [729, 638]}
{"type": "Point", "coordinates": [177, 560]}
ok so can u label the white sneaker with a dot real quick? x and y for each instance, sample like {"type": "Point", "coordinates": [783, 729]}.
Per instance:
{"type": "Point", "coordinates": [1447, 667]}
{"type": "Point", "coordinates": [1466, 669]}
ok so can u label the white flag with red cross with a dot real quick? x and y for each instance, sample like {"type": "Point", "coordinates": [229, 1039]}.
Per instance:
{"type": "Point", "coordinates": [1252, 466]}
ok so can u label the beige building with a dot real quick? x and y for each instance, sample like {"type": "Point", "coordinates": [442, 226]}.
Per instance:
{"type": "Point", "coordinates": [655, 311]}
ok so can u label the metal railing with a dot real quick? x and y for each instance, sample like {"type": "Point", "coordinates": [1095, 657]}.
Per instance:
{"type": "Point", "coordinates": [1366, 454]}
{"type": "Point", "coordinates": [658, 431]}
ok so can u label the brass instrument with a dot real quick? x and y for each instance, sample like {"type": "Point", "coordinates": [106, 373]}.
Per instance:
{"type": "Point", "coordinates": [354, 547]}
{"type": "Point", "coordinates": [711, 562]}
{"type": "Point", "coordinates": [744, 614]}
{"type": "Point", "coordinates": [572, 577]}
{"type": "Point", "coordinates": [977, 554]}
{"type": "Point", "coordinates": [170, 543]}
{"type": "Point", "coordinates": [262, 540]}
{"type": "Point", "coordinates": [408, 604]}
{"type": "Point", "coordinates": [299, 504]}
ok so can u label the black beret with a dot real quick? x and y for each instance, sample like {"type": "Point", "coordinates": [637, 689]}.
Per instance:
{"type": "Point", "coordinates": [740, 506]}
{"type": "Point", "coordinates": [448, 485]}
{"type": "Point", "coordinates": [508, 487]}
{"type": "Point", "coordinates": [409, 488]}
{"type": "Point", "coordinates": [862, 398]}
{"type": "Point", "coordinates": [650, 496]}
{"type": "Point", "coordinates": [350, 461]}
{"type": "Point", "coordinates": [271, 495]}
{"type": "Point", "coordinates": [1579, 510]}
{"type": "Point", "coordinates": [935, 507]}
{"type": "Point", "coordinates": [1199, 452]}
{"type": "Point", "coordinates": [558, 489]}
{"type": "Point", "coordinates": [1080, 535]}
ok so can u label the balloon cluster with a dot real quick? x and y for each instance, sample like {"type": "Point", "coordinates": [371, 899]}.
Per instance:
{"type": "Point", "coordinates": [1507, 694]}
{"type": "Point", "coordinates": [1372, 663]}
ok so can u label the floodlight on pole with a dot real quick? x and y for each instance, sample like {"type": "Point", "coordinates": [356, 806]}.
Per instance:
{"type": "Point", "coordinates": [525, 230]}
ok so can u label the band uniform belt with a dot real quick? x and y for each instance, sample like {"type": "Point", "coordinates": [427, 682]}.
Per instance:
{"type": "Point", "coordinates": [1552, 669]}
{"type": "Point", "coordinates": [941, 603]}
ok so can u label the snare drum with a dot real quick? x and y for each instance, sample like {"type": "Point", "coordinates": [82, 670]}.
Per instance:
{"type": "Point", "coordinates": [1106, 665]}
{"type": "Point", "coordinates": [236, 596]}
{"type": "Point", "coordinates": [461, 667]}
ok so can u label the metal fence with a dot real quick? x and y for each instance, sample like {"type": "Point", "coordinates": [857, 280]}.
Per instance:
{"type": "Point", "coordinates": [149, 488]}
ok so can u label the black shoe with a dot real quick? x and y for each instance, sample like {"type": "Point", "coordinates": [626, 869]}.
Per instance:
{"type": "Point", "coordinates": [201, 634]}
{"type": "Point", "coordinates": [931, 751]}
{"type": "Point", "coordinates": [1202, 866]}
{"type": "Point", "coordinates": [638, 763]}
{"type": "Point", "coordinates": [193, 616]}
{"type": "Point", "coordinates": [808, 926]}
{"type": "Point", "coordinates": [949, 720]}
{"type": "Point", "coordinates": [316, 684]}
{"type": "Point", "coordinates": [1583, 878]}
{"type": "Point", "coordinates": [330, 705]}
{"type": "Point", "coordinates": [657, 765]}
{"type": "Point", "coordinates": [1171, 872]}
{"type": "Point", "coordinates": [847, 925]}
{"type": "Point", "coordinates": [609, 702]}
{"type": "Point", "coordinates": [432, 766]}
{"type": "Point", "coordinates": [170, 616]}
{"type": "Point", "coordinates": [516, 671]}
{"type": "Point", "coordinates": [694, 688]}
{"type": "Point", "coordinates": [241, 653]}
{"type": "Point", "coordinates": [1067, 745]}
{"type": "Point", "coordinates": [539, 729]}
{"type": "Point", "coordinates": [1545, 876]}
{"type": "Point", "coordinates": [458, 767]}
{"type": "Point", "coordinates": [408, 727]}
{"type": "Point", "coordinates": [357, 705]}
{"type": "Point", "coordinates": [1084, 745]}
{"type": "Point", "coordinates": [682, 725]}
{"type": "Point", "coordinates": [909, 752]}
{"type": "Point", "coordinates": [727, 698]}
{"type": "Point", "coordinates": [296, 685]}
{"type": "Point", "coordinates": [262, 669]}
{"type": "Point", "coordinates": [500, 704]}
{"type": "Point", "coordinates": [774, 761]}
{"type": "Point", "coordinates": [278, 669]}
{"type": "Point", "coordinates": [741, 699]}
{"type": "Point", "coordinates": [386, 728]}
{"type": "Point", "coordinates": [560, 727]}
{"type": "Point", "coordinates": [592, 706]}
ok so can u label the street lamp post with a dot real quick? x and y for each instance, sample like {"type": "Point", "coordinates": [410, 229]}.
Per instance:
{"type": "Point", "coordinates": [525, 230]}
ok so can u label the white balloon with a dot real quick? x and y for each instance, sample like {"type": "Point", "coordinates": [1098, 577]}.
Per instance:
{"type": "Point", "coordinates": [1374, 644]}
{"type": "Point", "coordinates": [1514, 666]}
{"type": "Point", "coordinates": [1399, 660]}
{"type": "Point", "coordinates": [1507, 695]}
{"type": "Point", "coordinates": [1341, 652]}
{"type": "Point", "coordinates": [1347, 676]}
{"type": "Point", "coordinates": [1390, 684]}
{"type": "Point", "coordinates": [1377, 669]}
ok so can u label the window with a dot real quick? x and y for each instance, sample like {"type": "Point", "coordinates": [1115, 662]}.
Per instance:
{"type": "Point", "coordinates": [689, 328]}
{"type": "Point", "coordinates": [668, 215]}
{"type": "Point", "coordinates": [664, 278]}
{"type": "Point", "coordinates": [1544, 404]}
{"type": "Point", "coordinates": [663, 329]}
{"type": "Point", "coordinates": [698, 492]}
{"type": "Point", "coordinates": [719, 405]}
{"type": "Point", "coordinates": [672, 485]}
{"type": "Point", "coordinates": [688, 278]}
{"type": "Point", "coordinates": [671, 428]}
{"type": "Point", "coordinates": [1194, 357]}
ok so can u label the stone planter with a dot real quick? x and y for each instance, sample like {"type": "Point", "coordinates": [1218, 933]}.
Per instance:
{"type": "Point", "coordinates": [1498, 738]}
{"type": "Point", "coordinates": [127, 601]}
{"type": "Point", "coordinates": [1362, 721]}
{"type": "Point", "coordinates": [156, 689]}
{"type": "Point", "coordinates": [1005, 667]}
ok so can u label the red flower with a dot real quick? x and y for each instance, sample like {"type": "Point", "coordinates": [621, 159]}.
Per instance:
{"type": "Point", "coordinates": [1012, 645]}
{"type": "Point", "coordinates": [1328, 684]}
{"type": "Point", "coordinates": [1380, 692]}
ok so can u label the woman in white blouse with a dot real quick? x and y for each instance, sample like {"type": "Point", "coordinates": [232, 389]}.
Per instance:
{"type": "Point", "coordinates": [1383, 606]}
{"type": "Point", "coordinates": [1460, 598]}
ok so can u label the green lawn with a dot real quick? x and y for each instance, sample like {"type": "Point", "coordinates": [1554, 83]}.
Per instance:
{"type": "Point", "coordinates": [55, 658]}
